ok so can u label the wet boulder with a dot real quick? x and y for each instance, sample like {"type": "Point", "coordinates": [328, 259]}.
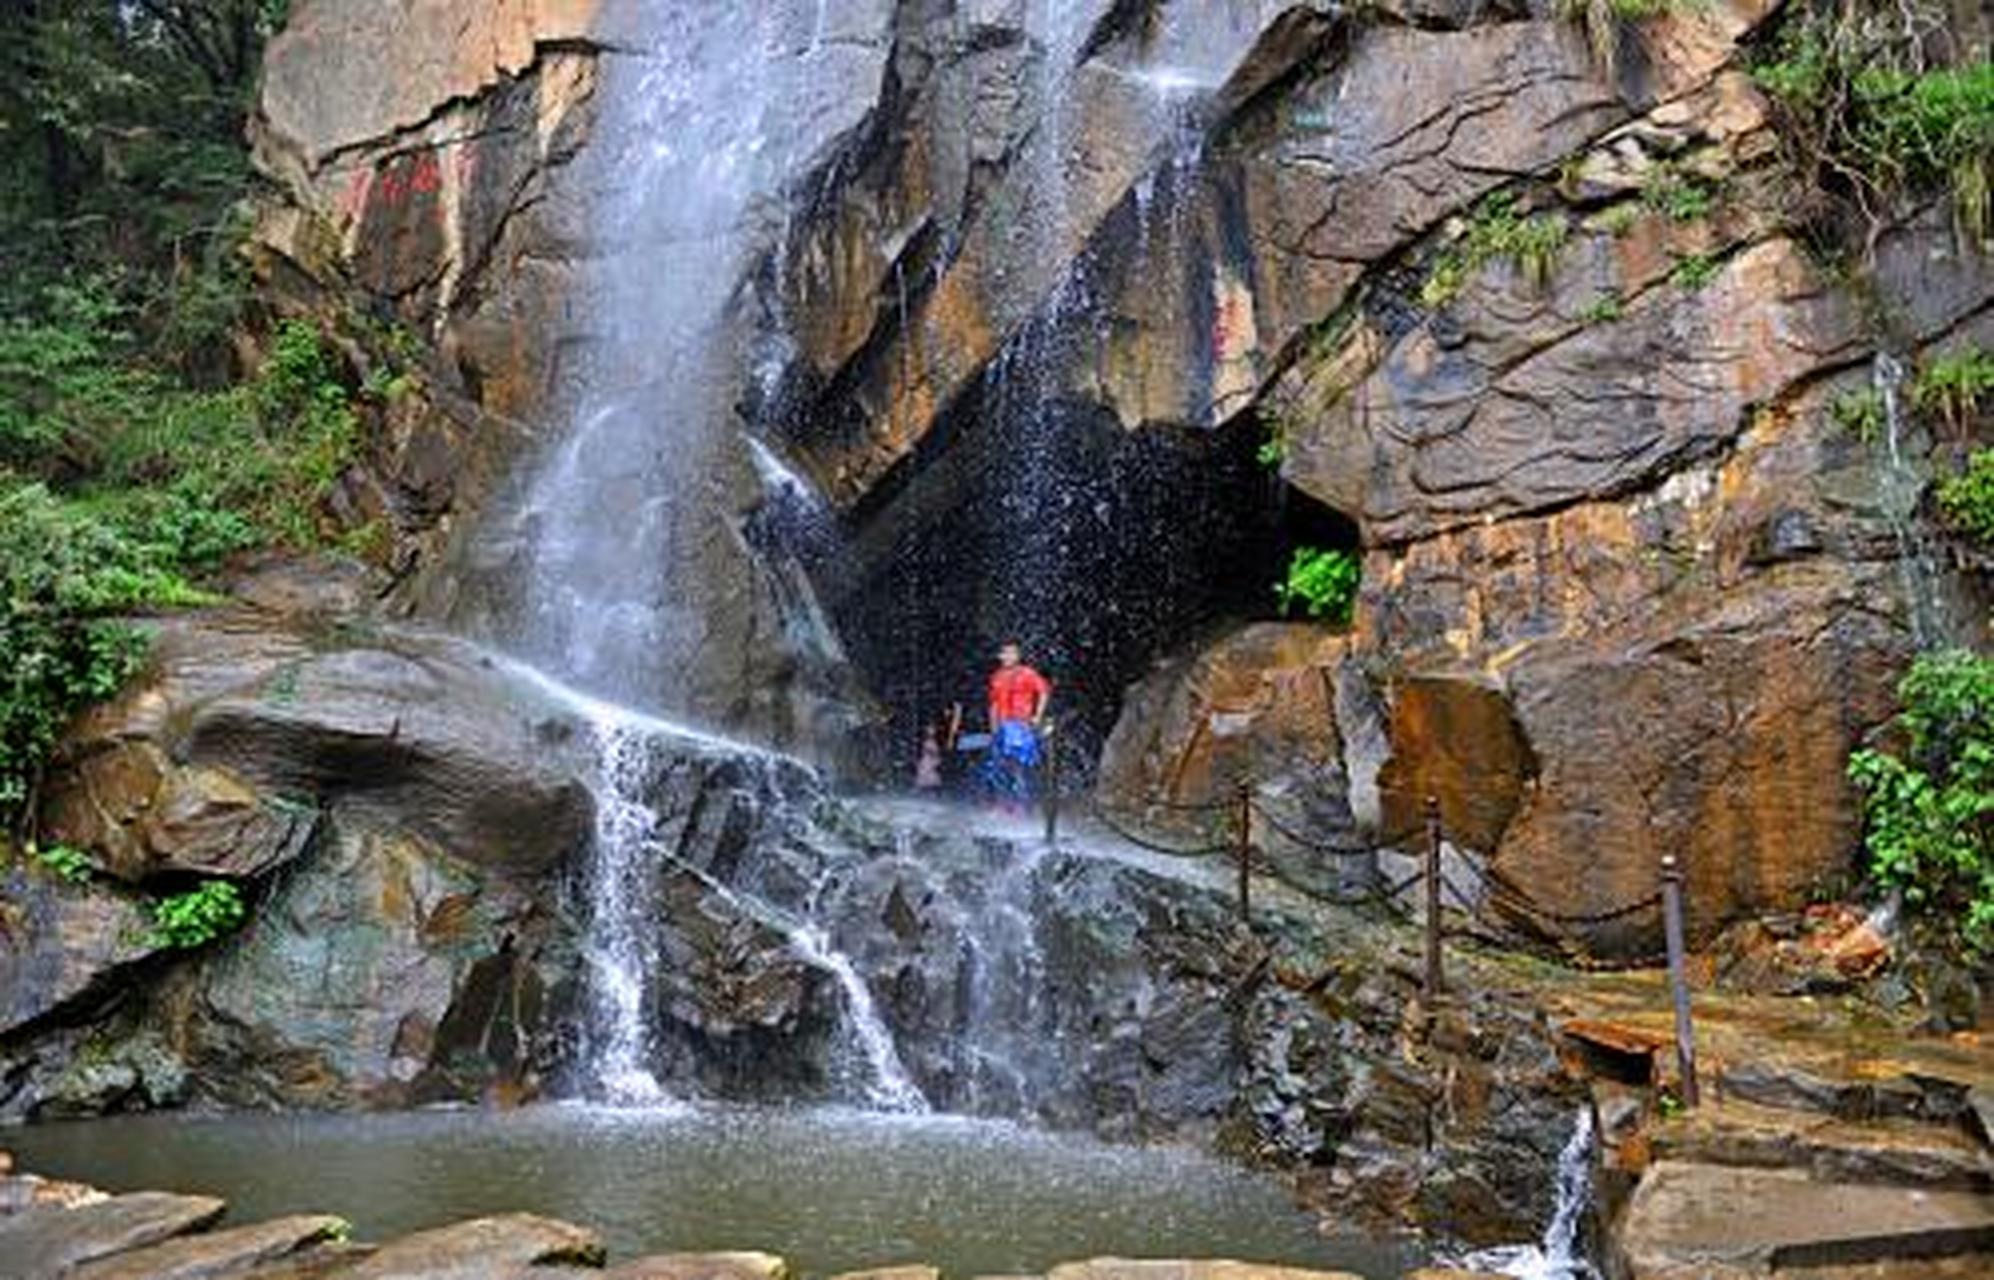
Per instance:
{"type": "Point", "coordinates": [220, 758]}
{"type": "Point", "coordinates": [63, 944]}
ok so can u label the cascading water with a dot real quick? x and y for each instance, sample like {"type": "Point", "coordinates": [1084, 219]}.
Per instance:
{"type": "Point", "coordinates": [621, 515]}
{"type": "Point", "coordinates": [1901, 487]}
{"type": "Point", "coordinates": [1557, 1256]}
{"type": "Point", "coordinates": [633, 546]}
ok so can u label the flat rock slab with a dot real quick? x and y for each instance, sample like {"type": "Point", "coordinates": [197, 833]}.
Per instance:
{"type": "Point", "coordinates": [710, 1266]}
{"type": "Point", "coordinates": [1700, 1220]}
{"type": "Point", "coordinates": [893, 1273]}
{"type": "Point", "coordinates": [1200, 1269]}
{"type": "Point", "coordinates": [481, 1249]}
{"type": "Point", "coordinates": [1976, 1266]}
{"type": "Point", "coordinates": [26, 1191]}
{"type": "Point", "coordinates": [1891, 1150]}
{"type": "Point", "coordinates": [48, 1240]}
{"type": "Point", "coordinates": [219, 1253]}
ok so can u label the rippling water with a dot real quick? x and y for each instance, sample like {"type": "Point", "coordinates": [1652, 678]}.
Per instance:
{"type": "Point", "coordinates": [829, 1190]}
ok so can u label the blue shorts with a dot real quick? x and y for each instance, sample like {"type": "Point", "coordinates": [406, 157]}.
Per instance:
{"type": "Point", "coordinates": [1015, 756]}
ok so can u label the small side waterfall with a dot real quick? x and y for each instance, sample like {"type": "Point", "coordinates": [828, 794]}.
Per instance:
{"type": "Point", "coordinates": [1557, 1256]}
{"type": "Point", "coordinates": [621, 950]}
{"type": "Point", "coordinates": [1901, 488]}
{"type": "Point", "coordinates": [887, 1085]}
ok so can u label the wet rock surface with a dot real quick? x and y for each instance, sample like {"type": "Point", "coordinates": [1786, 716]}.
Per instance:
{"type": "Point", "coordinates": [217, 1253]}
{"type": "Point", "coordinates": [1684, 1221]}
{"type": "Point", "coordinates": [51, 1240]}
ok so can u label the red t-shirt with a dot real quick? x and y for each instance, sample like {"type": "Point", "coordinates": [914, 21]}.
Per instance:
{"type": "Point", "coordinates": [1015, 692]}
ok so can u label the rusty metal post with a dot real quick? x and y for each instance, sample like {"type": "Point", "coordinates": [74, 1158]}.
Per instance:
{"type": "Point", "coordinates": [1678, 976]}
{"type": "Point", "coordinates": [1243, 850]}
{"type": "Point", "coordinates": [1434, 984]}
{"type": "Point", "coordinates": [1049, 780]}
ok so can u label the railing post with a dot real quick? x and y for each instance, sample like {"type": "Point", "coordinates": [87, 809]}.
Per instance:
{"type": "Point", "coordinates": [1678, 976]}
{"type": "Point", "coordinates": [1243, 849]}
{"type": "Point", "coordinates": [1434, 985]}
{"type": "Point", "coordinates": [1049, 780]}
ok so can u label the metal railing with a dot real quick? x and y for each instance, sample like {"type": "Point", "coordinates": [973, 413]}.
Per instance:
{"type": "Point", "coordinates": [1498, 893]}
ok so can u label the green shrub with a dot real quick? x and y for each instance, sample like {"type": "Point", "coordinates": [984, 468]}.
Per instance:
{"type": "Point", "coordinates": [1868, 113]}
{"type": "Point", "coordinates": [63, 573]}
{"type": "Point", "coordinates": [1967, 499]}
{"type": "Point", "coordinates": [1497, 230]}
{"type": "Point", "coordinates": [62, 861]}
{"type": "Point", "coordinates": [1694, 271]}
{"type": "Point", "coordinates": [198, 916]}
{"type": "Point", "coordinates": [1953, 385]}
{"type": "Point", "coordinates": [1604, 309]}
{"type": "Point", "coordinates": [1860, 413]}
{"type": "Point", "coordinates": [1927, 812]}
{"type": "Point", "coordinates": [1678, 196]}
{"type": "Point", "coordinates": [1272, 450]}
{"type": "Point", "coordinates": [1618, 219]}
{"type": "Point", "coordinates": [1323, 580]}
{"type": "Point", "coordinates": [118, 488]}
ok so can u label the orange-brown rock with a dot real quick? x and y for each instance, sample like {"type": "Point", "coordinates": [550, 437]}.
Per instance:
{"type": "Point", "coordinates": [1455, 739]}
{"type": "Point", "coordinates": [1259, 702]}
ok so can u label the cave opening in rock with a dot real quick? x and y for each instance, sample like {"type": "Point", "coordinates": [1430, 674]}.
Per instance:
{"type": "Point", "coordinates": [1100, 549]}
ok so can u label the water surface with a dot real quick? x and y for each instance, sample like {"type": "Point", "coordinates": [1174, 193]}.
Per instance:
{"type": "Point", "coordinates": [829, 1190]}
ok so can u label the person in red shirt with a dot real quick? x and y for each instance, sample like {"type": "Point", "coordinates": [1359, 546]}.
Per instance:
{"type": "Point", "coordinates": [1018, 698]}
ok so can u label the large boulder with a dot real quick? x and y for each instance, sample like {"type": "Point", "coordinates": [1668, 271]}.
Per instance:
{"type": "Point", "coordinates": [220, 757]}
{"type": "Point", "coordinates": [397, 809]}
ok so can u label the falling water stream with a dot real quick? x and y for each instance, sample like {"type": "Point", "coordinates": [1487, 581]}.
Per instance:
{"type": "Point", "coordinates": [1559, 1255]}
{"type": "Point", "coordinates": [1901, 488]}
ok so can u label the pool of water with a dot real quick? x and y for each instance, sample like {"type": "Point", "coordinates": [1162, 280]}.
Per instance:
{"type": "Point", "coordinates": [829, 1190]}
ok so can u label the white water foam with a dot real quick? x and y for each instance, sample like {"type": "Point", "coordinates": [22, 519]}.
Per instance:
{"type": "Point", "coordinates": [1556, 1256]}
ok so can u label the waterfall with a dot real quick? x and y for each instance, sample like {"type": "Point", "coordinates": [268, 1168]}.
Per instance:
{"type": "Point", "coordinates": [1901, 489]}
{"type": "Point", "coordinates": [1557, 1256]}
{"type": "Point", "coordinates": [652, 543]}
{"type": "Point", "coordinates": [887, 1085]}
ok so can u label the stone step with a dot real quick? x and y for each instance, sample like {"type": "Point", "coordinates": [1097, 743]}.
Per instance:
{"type": "Point", "coordinates": [50, 1240]}
{"type": "Point", "coordinates": [217, 1253]}
{"type": "Point", "coordinates": [1716, 1222]}
{"type": "Point", "coordinates": [479, 1249]}
{"type": "Point", "coordinates": [1910, 1152]}
{"type": "Point", "coordinates": [1909, 1096]}
{"type": "Point", "coordinates": [1184, 1269]}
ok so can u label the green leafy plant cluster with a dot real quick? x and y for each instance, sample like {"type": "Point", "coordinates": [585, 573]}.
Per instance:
{"type": "Point", "coordinates": [1860, 413]}
{"type": "Point", "coordinates": [1967, 499]}
{"type": "Point", "coordinates": [1695, 271]}
{"type": "Point", "coordinates": [1323, 581]}
{"type": "Point", "coordinates": [61, 861]}
{"type": "Point", "coordinates": [1954, 384]}
{"type": "Point", "coordinates": [1604, 309]}
{"type": "Point", "coordinates": [1877, 101]}
{"type": "Point", "coordinates": [199, 916]}
{"type": "Point", "coordinates": [1272, 450]}
{"type": "Point", "coordinates": [1927, 807]}
{"type": "Point", "coordinates": [120, 486]}
{"type": "Point", "coordinates": [64, 575]}
{"type": "Point", "coordinates": [1496, 229]}
{"type": "Point", "coordinates": [1678, 196]}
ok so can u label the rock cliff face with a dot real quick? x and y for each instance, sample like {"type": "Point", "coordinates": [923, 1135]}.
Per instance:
{"type": "Point", "coordinates": [1628, 587]}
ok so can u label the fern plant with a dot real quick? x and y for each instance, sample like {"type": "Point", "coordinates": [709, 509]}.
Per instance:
{"type": "Point", "coordinates": [1323, 581]}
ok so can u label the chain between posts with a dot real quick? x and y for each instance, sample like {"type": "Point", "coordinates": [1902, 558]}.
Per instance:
{"type": "Point", "coordinates": [1246, 805]}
